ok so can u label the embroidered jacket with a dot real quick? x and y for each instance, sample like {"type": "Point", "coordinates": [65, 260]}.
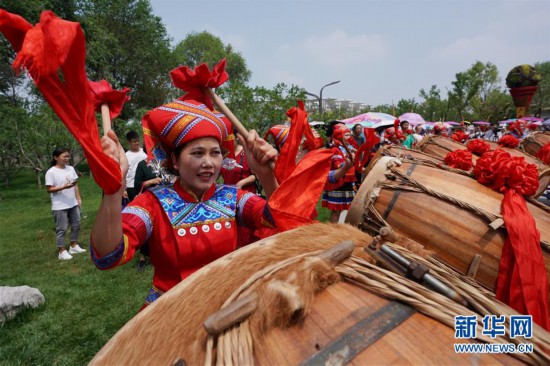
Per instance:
{"type": "Point", "coordinates": [338, 160]}
{"type": "Point", "coordinates": [183, 232]}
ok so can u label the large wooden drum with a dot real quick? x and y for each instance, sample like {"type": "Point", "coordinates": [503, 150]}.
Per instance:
{"type": "Point", "coordinates": [534, 142]}
{"type": "Point", "coordinates": [446, 212]}
{"type": "Point", "coordinates": [329, 319]}
{"type": "Point", "coordinates": [440, 146]}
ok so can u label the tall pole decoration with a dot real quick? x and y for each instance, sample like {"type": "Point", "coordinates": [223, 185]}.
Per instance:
{"type": "Point", "coordinates": [523, 82]}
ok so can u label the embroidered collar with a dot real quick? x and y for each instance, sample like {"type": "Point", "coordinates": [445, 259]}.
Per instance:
{"type": "Point", "coordinates": [189, 196]}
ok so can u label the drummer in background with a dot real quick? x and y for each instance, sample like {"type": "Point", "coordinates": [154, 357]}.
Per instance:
{"type": "Point", "coordinates": [340, 187]}
{"type": "Point", "coordinates": [494, 134]}
{"type": "Point", "coordinates": [409, 140]}
{"type": "Point", "coordinates": [418, 133]}
{"type": "Point", "coordinates": [279, 133]}
{"type": "Point", "coordinates": [516, 129]}
{"type": "Point", "coordinates": [440, 130]}
{"type": "Point", "coordinates": [358, 134]}
{"type": "Point", "coordinates": [242, 177]}
{"type": "Point", "coordinates": [194, 221]}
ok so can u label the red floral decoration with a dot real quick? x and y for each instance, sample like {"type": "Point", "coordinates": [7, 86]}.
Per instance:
{"type": "Point", "coordinates": [459, 159]}
{"type": "Point", "coordinates": [544, 154]}
{"type": "Point", "coordinates": [508, 141]}
{"type": "Point", "coordinates": [478, 147]}
{"type": "Point", "coordinates": [460, 136]}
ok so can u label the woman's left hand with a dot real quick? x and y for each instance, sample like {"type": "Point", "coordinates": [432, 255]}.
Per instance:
{"type": "Point", "coordinates": [260, 154]}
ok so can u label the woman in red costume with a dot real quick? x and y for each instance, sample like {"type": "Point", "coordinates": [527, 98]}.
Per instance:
{"type": "Point", "coordinates": [340, 187]}
{"type": "Point", "coordinates": [194, 221]}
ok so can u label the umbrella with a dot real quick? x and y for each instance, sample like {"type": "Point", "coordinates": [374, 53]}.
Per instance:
{"type": "Point", "coordinates": [481, 123]}
{"type": "Point", "coordinates": [547, 122]}
{"type": "Point", "coordinates": [316, 123]}
{"type": "Point", "coordinates": [532, 119]}
{"type": "Point", "coordinates": [452, 123]}
{"type": "Point", "coordinates": [368, 119]}
{"type": "Point", "coordinates": [383, 124]}
{"type": "Point", "coordinates": [412, 118]}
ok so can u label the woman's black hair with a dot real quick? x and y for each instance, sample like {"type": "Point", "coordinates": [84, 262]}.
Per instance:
{"type": "Point", "coordinates": [56, 153]}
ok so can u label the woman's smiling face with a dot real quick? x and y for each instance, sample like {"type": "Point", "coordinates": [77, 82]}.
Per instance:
{"type": "Point", "coordinates": [199, 164]}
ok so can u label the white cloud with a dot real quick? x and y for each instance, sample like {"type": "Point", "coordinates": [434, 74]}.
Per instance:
{"type": "Point", "coordinates": [338, 49]}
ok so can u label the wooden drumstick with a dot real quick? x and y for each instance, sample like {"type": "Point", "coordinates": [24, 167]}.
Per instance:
{"type": "Point", "coordinates": [234, 120]}
{"type": "Point", "coordinates": [225, 110]}
{"type": "Point", "coordinates": [105, 118]}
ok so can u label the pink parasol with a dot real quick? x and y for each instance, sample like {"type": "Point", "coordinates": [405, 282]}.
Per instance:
{"type": "Point", "coordinates": [412, 118]}
{"type": "Point", "coordinates": [481, 123]}
{"type": "Point", "coordinates": [452, 123]}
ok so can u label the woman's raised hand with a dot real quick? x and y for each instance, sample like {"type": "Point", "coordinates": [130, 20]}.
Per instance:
{"type": "Point", "coordinates": [112, 148]}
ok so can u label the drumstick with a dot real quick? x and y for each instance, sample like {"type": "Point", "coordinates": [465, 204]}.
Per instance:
{"type": "Point", "coordinates": [225, 110]}
{"type": "Point", "coordinates": [234, 120]}
{"type": "Point", "coordinates": [105, 118]}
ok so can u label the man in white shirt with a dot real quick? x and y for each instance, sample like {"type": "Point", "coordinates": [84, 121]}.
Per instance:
{"type": "Point", "coordinates": [61, 183]}
{"type": "Point", "coordinates": [134, 155]}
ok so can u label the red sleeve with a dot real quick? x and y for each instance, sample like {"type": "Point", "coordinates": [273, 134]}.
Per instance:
{"type": "Point", "coordinates": [137, 227]}
{"type": "Point", "coordinates": [253, 211]}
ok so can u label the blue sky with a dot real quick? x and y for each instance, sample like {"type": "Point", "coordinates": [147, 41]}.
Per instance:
{"type": "Point", "coordinates": [381, 50]}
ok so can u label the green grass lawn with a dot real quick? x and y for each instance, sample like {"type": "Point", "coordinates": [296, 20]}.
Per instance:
{"type": "Point", "coordinates": [84, 306]}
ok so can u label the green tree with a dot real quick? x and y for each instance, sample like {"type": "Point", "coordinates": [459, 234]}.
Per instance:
{"type": "Point", "coordinates": [432, 107]}
{"type": "Point", "coordinates": [128, 46]}
{"type": "Point", "coordinates": [203, 47]}
{"type": "Point", "coordinates": [541, 100]}
{"type": "Point", "coordinates": [475, 83]}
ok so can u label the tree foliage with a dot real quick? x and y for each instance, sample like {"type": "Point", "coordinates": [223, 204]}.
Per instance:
{"type": "Point", "coordinates": [128, 46]}
{"type": "Point", "coordinates": [542, 96]}
{"type": "Point", "coordinates": [204, 47]}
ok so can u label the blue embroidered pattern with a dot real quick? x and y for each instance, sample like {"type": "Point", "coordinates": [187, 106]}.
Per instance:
{"type": "Point", "coordinates": [154, 294]}
{"type": "Point", "coordinates": [109, 259]}
{"type": "Point", "coordinates": [221, 207]}
{"type": "Point", "coordinates": [143, 215]}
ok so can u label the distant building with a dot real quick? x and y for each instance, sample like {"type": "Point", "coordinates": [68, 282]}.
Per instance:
{"type": "Point", "coordinates": [331, 104]}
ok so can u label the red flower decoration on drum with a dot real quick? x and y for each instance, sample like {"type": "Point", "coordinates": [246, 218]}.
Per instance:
{"type": "Point", "coordinates": [544, 154]}
{"type": "Point", "coordinates": [500, 171]}
{"type": "Point", "coordinates": [459, 159]}
{"type": "Point", "coordinates": [508, 141]}
{"type": "Point", "coordinates": [478, 147]}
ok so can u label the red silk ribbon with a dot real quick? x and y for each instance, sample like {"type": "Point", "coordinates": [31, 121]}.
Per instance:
{"type": "Point", "coordinates": [194, 81]}
{"type": "Point", "coordinates": [55, 47]}
{"type": "Point", "coordinates": [103, 93]}
{"type": "Point", "coordinates": [522, 281]}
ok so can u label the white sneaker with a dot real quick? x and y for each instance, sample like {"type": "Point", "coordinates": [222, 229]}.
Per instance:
{"type": "Point", "coordinates": [76, 249]}
{"type": "Point", "coordinates": [65, 256]}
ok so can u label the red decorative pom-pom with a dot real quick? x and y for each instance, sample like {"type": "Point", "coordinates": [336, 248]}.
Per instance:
{"type": "Point", "coordinates": [508, 141]}
{"type": "Point", "coordinates": [544, 154]}
{"type": "Point", "coordinates": [459, 159]}
{"type": "Point", "coordinates": [500, 171]}
{"type": "Point", "coordinates": [478, 147]}
{"type": "Point", "coordinates": [460, 136]}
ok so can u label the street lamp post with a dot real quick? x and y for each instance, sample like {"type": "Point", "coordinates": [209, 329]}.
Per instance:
{"type": "Point", "coordinates": [320, 96]}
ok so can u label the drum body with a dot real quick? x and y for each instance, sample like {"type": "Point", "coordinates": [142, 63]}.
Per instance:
{"type": "Point", "coordinates": [440, 146]}
{"type": "Point", "coordinates": [449, 215]}
{"type": "Point", "coordinates": [534, 142]}
{"type": "Point", "coordinates": [171, 329]}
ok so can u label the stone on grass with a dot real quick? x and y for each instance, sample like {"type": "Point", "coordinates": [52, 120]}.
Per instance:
{"type": "Point", "coordinates": [15, 299]}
